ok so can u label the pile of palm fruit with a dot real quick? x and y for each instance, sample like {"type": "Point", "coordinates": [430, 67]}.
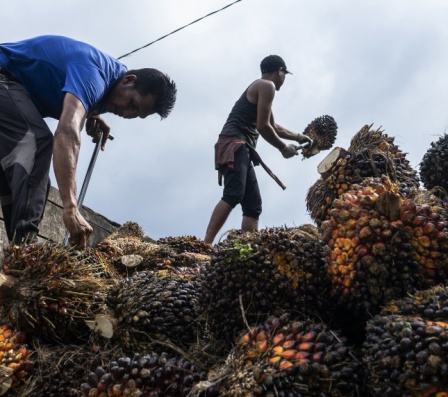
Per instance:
{"type": "Point", "coordinates": [355, 305]}
{"type": "Point", "coordinates": [322, 130]}
{"type": "Point", "coordinates": [372, 153]}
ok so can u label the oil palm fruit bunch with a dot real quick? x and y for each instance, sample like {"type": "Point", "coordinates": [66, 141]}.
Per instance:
{"type": "Point", "coordinates": [151, 375]}
{"type": "Point", "coordinates": [289, 357]}
{"type": "Point", "coordinates": [424, 234]}
{"type": "Point", "coordinates": [60, 370]}
{"type": "Point", "coordinates": [16, 361]}
{"type": "Point", "coordinates": [318, 201]}
{"type": "Point", "coordinates": [386, 154]}
{"type": "Point", "coordinates": [371, 154]}
{"type": "Point", "coordinates": [254, 275]}
{"type": "Point", "coordinates": [155, 308]}
{"type": "Point", "coordinates": [186, 244]}
{"type": "Point", "coordinates": [322, 130]}
{"type": "Point", "coordinates": [430, 304]}
{"type": "Point", "coordinates": [433, 165]}
{"type": "Point", "coordinates": [406, 356]}
{"type": "Point", "coordinates": [365, 270]}
{"type": "Point", "coordinates": [52, 290]}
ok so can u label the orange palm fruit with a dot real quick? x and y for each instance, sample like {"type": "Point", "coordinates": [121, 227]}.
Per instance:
{"type": "Point", "coordinates": [289, 354]}
{"type": "Point", "coordinates": [277, 350]}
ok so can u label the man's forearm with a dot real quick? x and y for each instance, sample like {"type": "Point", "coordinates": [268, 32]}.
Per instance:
{"type": "Point", "coordinates": [65, 159]}
{"type": "Point", "coordinates": [270, 135]}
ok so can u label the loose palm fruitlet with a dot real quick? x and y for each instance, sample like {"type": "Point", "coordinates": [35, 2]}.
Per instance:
{"type": "Point", "coordinates": [152, 375]}
{"type": "Point", "coordinates": [50, 290]}
{"type": "Point", "coordinates": [406, 356]}
{"type": "Point", "coordinates": [157, 306]}
{"type": "Point", "coordinates": [60, 370]}
{"type": "Point", "coordinates": [287, 357]}
{"type": "Point", "coordinates": [430, 304]}
{"type": "Point", "coordinates": [15, 357]}
{"type": "Point", "coordinates": [365, 264]}
{"type": "Point", "coordinates": [269, 272]}
{"type": "Point", "coordinates": [433, 167]}
{"type": "Point", "coordinates": [322, 130]}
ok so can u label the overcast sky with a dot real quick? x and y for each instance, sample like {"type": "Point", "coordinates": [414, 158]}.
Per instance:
{"type": "Point", "coordinates": [361, 61]}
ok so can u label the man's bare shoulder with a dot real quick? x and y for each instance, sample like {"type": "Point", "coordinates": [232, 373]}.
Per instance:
{"type": "Point", "coordinates": [260, 88]}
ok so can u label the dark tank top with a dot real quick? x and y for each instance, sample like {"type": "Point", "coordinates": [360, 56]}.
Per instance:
{"type": "Point", "coordinates": [242, 121]}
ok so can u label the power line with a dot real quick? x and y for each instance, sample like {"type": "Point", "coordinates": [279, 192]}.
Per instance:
{"type": "Point", "coordinates": [174, 31]}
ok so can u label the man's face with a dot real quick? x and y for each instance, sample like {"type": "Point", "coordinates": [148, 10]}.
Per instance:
{"type": "Point", "coordinates": [126, 102]}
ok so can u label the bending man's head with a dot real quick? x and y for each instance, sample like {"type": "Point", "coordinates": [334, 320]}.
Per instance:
{"type": "Point", "coordinates": [142, 92]}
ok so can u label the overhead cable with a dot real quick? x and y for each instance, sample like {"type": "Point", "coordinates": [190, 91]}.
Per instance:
{"type": "Point", "coordinates": [174, 31]}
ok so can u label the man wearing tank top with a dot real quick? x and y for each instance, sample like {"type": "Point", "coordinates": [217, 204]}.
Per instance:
{"type": "Point", "coordinates": [235, 154]}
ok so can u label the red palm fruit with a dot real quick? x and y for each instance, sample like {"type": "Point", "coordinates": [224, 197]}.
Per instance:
{"type": "Point", "coordinates": [305, 346]}
{"type": "Point", "coordinates": [277, 339]}
{"type": "Point", "coordinates": [363, 221]}
{"type": "Point", "coordinates": [285, 364]}
{"type": "Point", "coordinates": [302, 355]}
{"type": "Point", "coordinates": [309, 336]}
{"type": "Point", "coordinates": [379, 248]}
{"type": "Point", "coordinates": [424, 241]}
{"type": "Point", "coordinates": [418, 220]}
{"type": "Point", "coordinates": [429, 228]}
{"type": "Point", "coordinates": [418, 231]}
{"type": "Point", "coordinates": [289, 344]}
{"type": "Point", "coordinates": [365, 232]}
{"type": "Point", "coordinates": [289, 354]}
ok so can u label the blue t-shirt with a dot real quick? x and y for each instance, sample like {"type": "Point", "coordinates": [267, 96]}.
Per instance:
{"type": "Point", "coordinates": [50, 66]}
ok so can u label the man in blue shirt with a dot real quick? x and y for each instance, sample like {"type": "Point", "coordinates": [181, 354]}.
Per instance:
{"type": "Point", "coordinates": [73, 82]}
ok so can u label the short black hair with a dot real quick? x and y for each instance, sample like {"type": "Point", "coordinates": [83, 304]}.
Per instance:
{"type": "Point", "coordinates": [153, 81]}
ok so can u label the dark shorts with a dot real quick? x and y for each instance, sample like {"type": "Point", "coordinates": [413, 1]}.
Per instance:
{"type": "Point", "coordinates": [26, 147]}
{"type": "Point", "coordinates": [241, 185]}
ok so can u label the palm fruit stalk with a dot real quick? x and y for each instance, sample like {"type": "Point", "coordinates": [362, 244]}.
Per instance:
{"type": "Point", "coordinates": [16, 359]}
{"type": "Point", "coordinates": [60, 370]}
{"type": "Point", "coordinates": [433, 165]}
{"type": "Point", "coordinates": [364, 270]}
{"type": "Point", "coordinates": [49, 290]}
{"type": "Point", "coordinates": [322, 130]}
{"type": "Point", "coordinates": [406, 356]}
{"type": "Point", "coordinates": [254, 275]}
{"type": "Point", "coordinates": [156, 310]}
{"type": "Point", "coordinates": [289, 357]}
{"type": "Point", "coordinates": [151, 375]}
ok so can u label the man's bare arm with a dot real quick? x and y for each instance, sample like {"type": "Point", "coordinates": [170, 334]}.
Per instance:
{"type": "Point", "coordinates": [67, 142]}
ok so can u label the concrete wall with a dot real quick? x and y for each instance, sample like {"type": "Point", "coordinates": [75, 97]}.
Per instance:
{"type": "Point", "coordinates": [53, 228]}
